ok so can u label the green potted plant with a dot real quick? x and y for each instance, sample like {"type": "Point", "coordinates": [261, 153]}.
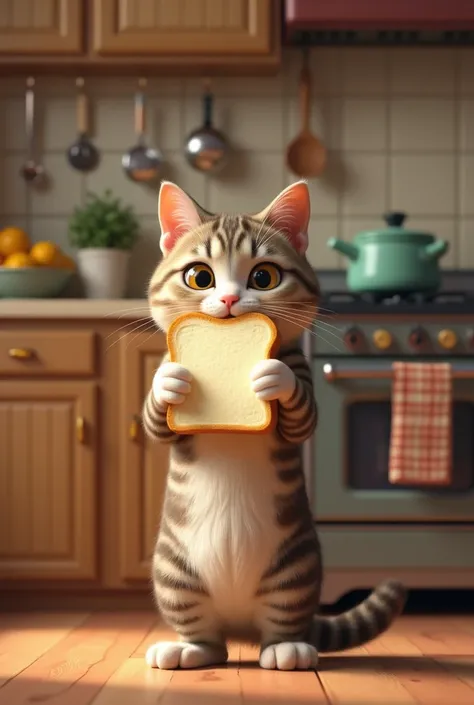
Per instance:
{"type": "Point", "coordinates": [104, 231]}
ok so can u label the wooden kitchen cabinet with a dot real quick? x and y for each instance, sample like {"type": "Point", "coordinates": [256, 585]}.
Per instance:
{"type": "Point", "coordinates": [188, 28]}
{"type": "Point", "coordinates": [144, 464]}
{"type": "Point", "coordinates": [48, 479]}
{"type": "Point", "coordinates": [41, 27]}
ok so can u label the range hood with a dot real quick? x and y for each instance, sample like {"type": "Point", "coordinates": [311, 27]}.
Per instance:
{"type": "Point", "coordinates": [379, 21]}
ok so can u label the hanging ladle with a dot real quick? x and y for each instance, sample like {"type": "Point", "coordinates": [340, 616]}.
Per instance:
{"type": "Point", "coordinates": [82, 155]}
{"type": "Point", "coordinates": [306, 155]}
{"type": "Point", "coordinates": [31, 171]}
{"type": "Point", "coordinates": [142, 163]}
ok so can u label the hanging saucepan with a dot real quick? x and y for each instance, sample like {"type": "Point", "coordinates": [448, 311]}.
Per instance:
{"type": "Point", "coordinates": [142, 163]}
{"type": "Point", "coordinates": [206, 148]}
{"type": "Point", "coordinates": [392, 260]}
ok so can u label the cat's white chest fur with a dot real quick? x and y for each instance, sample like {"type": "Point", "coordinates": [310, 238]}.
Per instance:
{"type": "Point", "coordinates": [231, 533]}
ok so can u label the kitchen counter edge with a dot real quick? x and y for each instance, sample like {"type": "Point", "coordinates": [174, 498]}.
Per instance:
{"type": "Point", "coordinates": [122, 309]}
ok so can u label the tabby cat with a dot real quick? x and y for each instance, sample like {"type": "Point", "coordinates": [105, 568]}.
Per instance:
{"type": "Point", "coordinates": [237, 554]}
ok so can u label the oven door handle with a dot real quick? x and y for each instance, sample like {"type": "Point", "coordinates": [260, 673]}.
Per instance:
{"type": "Point", "coordinates": [333, 373]}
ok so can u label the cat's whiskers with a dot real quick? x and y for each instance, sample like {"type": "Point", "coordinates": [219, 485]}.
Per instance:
{"type": "Point", "coordinates": [140, 328]}
{"type": "Point", "coordinates": [310, 322]}
{"type": "Point", "coordinates": [133, 323]}
{"type": "Point", "coordinates": [288, 318]}
{"type": "Point", "coordinates": [126, 312]}
{"type": "Point", "coordinates": [315, 317]}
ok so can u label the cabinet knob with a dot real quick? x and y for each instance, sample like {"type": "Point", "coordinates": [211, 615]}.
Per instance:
{"type": "Point", "coordinates": [134, 429]}
{"type": "Point", "coordinates": [21, 353]}
{"type": "Point", "coordinates": [382, 339]}
{"type": "Point", "coordinates": [80, 429]}
{"type": "Point", "coordinates": [447, 339]}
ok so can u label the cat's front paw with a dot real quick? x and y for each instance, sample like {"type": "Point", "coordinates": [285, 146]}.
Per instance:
{"type": "Point", "coordinates": [180, 654]}
{"type": "Point", "coordinates": [289, 656]}
{"type": "Point", "coordinates": [171, 384]}
{"type": "Point", "coordinates": [272, 379]}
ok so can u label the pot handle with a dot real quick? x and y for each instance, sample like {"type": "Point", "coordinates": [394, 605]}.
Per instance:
{"type": "Point", "coordinates": [345, 248]}
{"type": "Point", "coordinates": [435, 250]}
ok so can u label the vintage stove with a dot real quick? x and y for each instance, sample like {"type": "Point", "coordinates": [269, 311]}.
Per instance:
{"type": "Point", "coordinates": [362, 516]}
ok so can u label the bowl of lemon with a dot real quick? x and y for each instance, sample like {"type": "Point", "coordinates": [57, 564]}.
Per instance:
{"type": "Point", "coordinates": [31, 271]}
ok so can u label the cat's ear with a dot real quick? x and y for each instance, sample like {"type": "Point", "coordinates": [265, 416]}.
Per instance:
{"type": "Point", "coordinates": [177, 213]}
{"type": "Point", "coordinates": [289, 213]}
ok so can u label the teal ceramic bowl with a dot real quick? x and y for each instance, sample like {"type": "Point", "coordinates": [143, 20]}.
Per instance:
{"type": "Point", "coordinates": [33, 282]}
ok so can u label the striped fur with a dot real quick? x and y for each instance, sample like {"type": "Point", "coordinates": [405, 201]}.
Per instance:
{"type": "Point", "coordinates": [237, 554]}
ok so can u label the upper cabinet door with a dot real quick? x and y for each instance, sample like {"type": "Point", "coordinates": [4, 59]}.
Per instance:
{"type": "Point", "coordinates": [184, 27]}
{"type": "Point", "coordinates": [41, 26]}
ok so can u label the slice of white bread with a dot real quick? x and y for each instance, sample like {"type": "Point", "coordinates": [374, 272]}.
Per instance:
{"type": "Point", "coordinates": [220, 354]}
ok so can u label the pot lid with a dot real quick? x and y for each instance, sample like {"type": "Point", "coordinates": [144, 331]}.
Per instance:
{"type": "Point", "coordinates": [395, 228]}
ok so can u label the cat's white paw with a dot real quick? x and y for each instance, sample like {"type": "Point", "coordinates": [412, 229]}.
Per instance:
{"type": "Point", "coordinates": [171, 384]}
{"type": "Point", "coordinates": [289, 656]}
{"type": "Point", "coordinates": [272, 379]}
{"type": "Point", "coordinates": [180, 654]}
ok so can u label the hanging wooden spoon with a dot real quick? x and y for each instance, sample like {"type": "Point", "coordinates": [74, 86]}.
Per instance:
{"type": "Point", "coordinates": [306, 156]}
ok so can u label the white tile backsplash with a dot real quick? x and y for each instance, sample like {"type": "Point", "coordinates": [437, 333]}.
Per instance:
{"type": "Point", "coordinates": [422, 124]}
{"type": "Point", "coordinates": [423, 184]}
{"type": "Point", "coordinates": [365, 189]}
{"type": "Point", "coordinates": [398, 124]}
{"type": "Point", "coordinates": [364, 125]}
{"type": "Point", "coordinates": [422, 72]}
{"type": "Point", "coordinates": [364, 72]}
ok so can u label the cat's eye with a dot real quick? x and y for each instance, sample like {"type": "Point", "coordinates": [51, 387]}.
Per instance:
{"type": "Point", "coordinates": [199, 277]}
{"type": "Point", "coordinates": [264, 276]}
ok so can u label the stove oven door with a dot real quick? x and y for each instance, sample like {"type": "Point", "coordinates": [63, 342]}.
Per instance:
{"type": "Point", "coordinates": [348, 469]}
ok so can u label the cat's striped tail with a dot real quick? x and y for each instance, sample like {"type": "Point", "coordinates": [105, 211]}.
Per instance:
{"type": "Point", "coordinates": [362, 623]}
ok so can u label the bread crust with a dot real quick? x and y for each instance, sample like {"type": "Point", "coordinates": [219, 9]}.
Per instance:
{"type": "Point", "coordinates": [272, 348]}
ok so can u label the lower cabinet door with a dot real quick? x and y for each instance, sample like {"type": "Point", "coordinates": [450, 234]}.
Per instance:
{"type": "Point", "coordinates": [144, 464]}
{"type": "Point", "coordinates": [48, 480]}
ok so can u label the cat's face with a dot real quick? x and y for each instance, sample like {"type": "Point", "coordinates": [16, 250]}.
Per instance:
{"type": "Point", "coordinates": [230, 265]}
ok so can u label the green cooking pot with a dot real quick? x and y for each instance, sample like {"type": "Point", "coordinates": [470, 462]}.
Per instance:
{"type": "Point", "coordinates": [392, 260]}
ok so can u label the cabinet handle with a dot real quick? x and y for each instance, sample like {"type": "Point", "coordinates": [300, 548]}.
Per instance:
{"type": "Point", "coordinates": [134, 428]}
{"type": "Point", "coordinates": [21, 353]}
{"type": "Point", "coordinates": [80, 426]}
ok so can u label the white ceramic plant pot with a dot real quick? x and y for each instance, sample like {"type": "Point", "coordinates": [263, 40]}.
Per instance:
{"type": "Point", "coordinates": [104, 272]}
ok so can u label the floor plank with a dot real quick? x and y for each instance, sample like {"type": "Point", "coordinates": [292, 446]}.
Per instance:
{"type": "Point", "coordinates": [282, 688]}
{"type": "Point", "coordinates": [26, 637]}
{"type": "Point", "coordinates": [76, 668]}
{"type": "Point", "coordinates": [134, 683]}
{"type": "Point", "coordinates": [98, 659]}
{"type": "Point", "coordinates": [349, 680]}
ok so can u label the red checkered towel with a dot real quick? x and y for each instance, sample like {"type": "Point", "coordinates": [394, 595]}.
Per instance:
{"type": "Point", "coordinates": [420, 444]}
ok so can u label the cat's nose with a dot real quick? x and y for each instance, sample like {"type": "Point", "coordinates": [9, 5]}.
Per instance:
{"type": "Point", "coordinates": [230, 299]}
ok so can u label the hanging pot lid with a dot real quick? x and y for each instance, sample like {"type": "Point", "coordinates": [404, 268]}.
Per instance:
{"type": "Point", "coordinates": [394, 232]}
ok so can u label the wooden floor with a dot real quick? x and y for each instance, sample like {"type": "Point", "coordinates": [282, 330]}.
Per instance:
{"type": "Point", "coordinates": [82, 659]}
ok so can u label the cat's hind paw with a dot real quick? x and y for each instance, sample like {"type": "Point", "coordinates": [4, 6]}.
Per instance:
{"type": "Point", "coordinates": [181, 654]}
{"type": "Point", "coordinates": [289, 656]}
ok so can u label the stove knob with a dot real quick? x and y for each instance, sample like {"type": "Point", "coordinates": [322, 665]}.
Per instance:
{"type": "Point", "coordinates": [470, 338]}
{"type": "Point", "coordinates": [352, 338]}
{"type": "Point", "coordinates": [417, 338]}
{"type": "Point", "coordinates": [382, 339]}
{"type": "Point", "coordinates": [447, 339]}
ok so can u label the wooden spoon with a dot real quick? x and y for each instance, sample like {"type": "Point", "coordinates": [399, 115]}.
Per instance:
{"type": "Point", "coordinates": [306, 156]}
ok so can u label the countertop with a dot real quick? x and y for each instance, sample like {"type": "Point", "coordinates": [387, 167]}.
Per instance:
{"type": "Point", "coordinates": [123, 309]}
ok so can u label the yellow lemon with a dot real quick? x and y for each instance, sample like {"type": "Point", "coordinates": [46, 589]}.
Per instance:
{"type": "Point", "coordinates": [19, 259]}
{"type": "Point", "coordinates": [64, 262]}
{"type": "Point", "coordinates": [13, 240]}
{"type": "Point", "coordinates": [45, 253]}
